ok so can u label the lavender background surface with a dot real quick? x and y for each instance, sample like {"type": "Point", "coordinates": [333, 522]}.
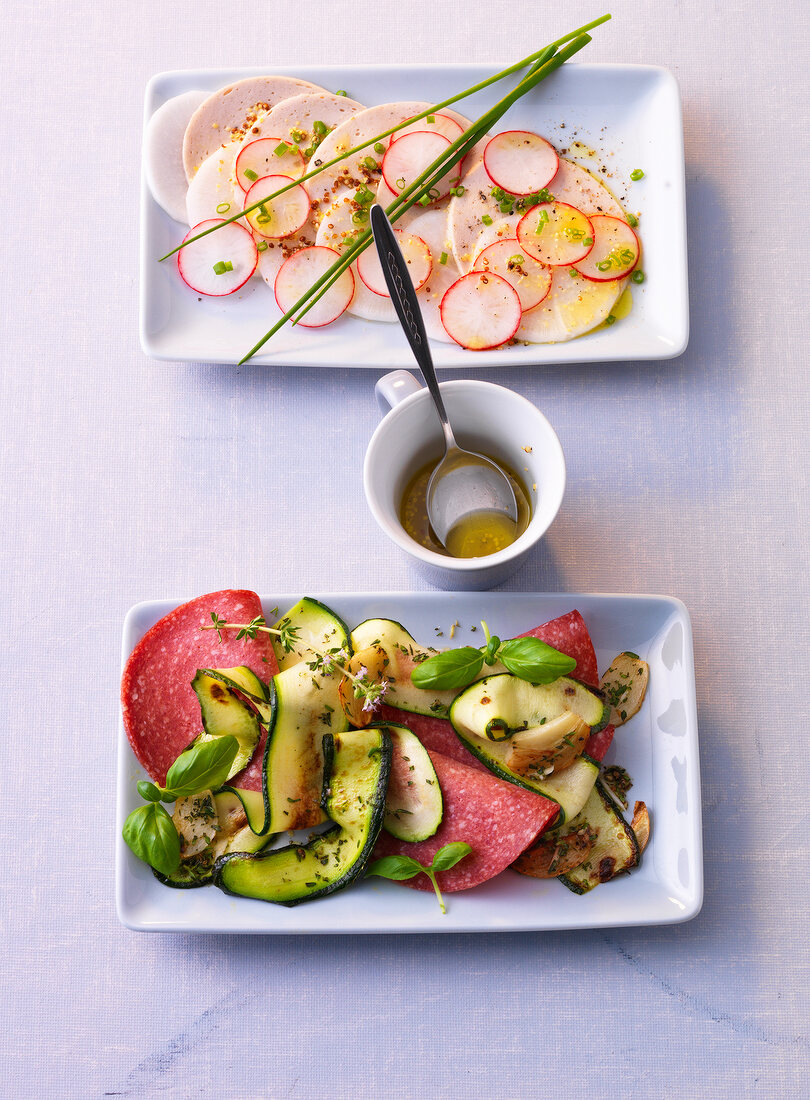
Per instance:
{"type": "Point", "coordinates": [123, 479]}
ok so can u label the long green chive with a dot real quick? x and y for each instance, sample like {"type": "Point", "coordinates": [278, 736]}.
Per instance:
{"type": "Point", "coordinates": [319, 127]}
{"type": "Point", "coordinates": [547, 62]}
{"type": "Point", "coordinates": [637, 174]}
{"type": "Point", "coordinates": [637, 276]}
{"type": "Point", "coordinates": [379, 148]}
{"type": "Point", "coordinates": [487, 220]}
{"type": "Point", "coordinates": [536, 60]}
{"type": "Point", "coordinates": [221, 266]}
{"type": "Point", "coordinates": [443, 258]}
{"type": "Point", "coordinates": [223, 208]}
{"type": "Point", "coordinates": [251, 175]}
{"type": "Point", "coordinates": [281, 149]}
{"type": "Point", "coordinates": [632, 221]}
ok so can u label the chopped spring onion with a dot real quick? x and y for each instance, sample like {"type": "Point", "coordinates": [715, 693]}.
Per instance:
{"type": "Point", "coordinates": [262, 246]}
{"type": "Point", "coordinates": [319, 127]}
{"type": "Point", "coordinates": [431, 119]}
{"type": "Point", "coordinates": [516, 259]}
{"type": "Point", "coordinates": [443, 258]}
{"type": "Point", "coordinates": [251, 175]}
{"type": "Point", "coordinates": [605, 265]}
{"type": "Point", "coordinates": [424, 201]}
{"type": "Point", "coordinates": [572, 271]}
{"type": "Point", "coordinates": [400, 182]}
{"type": "Point", "coordinates": [434, 193]}
{"type": "Point", "coordinates": [379, 147]}
{"type": "Point", "coordinates": [262, 219]}
{"type": "Point", "coordinates": [637, 174]}
{"type": "Point", "coordinates": [637, 276]}
{"type": "Point", "coordinates": [223, 208]}
{"type": "Point", "coordinates": [364, 196]}
{"type": "Point", "coordinates": [632, 221]}
{"type": "Point", "coordinates": [221, 266]}
{"type": "Point", "coordinates": [457, 191]}
{"type": "Point", "coordinates": [298, 135]}
{"type": "Point", "coordinates": [487, 220]}
{"type": "Point", "coordinates": [588, 240]}
{"type": "Point", "coordinates": [505, 207]}
{"type": "Point", "coordinates": [282, 148]}
{"type": "Point", "coordinates": [359, 216]}
{"type": "Point", "coordinates": [340, 91]}
{"type": "Point", "coordinates": [541, 221]}
{"type": "Point", "coordinates": [370, 163]}
{"type": "Point", "coordinates": [610, 319]}
{"type": "Point", "coordinates": [310, 151]}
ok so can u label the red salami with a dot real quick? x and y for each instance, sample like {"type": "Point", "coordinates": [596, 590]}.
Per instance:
{"type": "Point", "coordinates": [161, 712]}
{"type": "Point", "coordinates": [497, 819]}
{"type": "Point", "coordinates": [599, 743]}
{"type": "Point", "coordinates": [570, 635]}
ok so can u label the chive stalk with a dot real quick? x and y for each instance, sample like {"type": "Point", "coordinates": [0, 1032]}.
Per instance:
{"type": "Point", "coordinates": [532, 59]}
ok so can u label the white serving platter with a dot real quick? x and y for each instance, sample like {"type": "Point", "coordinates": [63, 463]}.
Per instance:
{"type": "Point", "coordinates": [659, 748]}
{"type": "Point", "coordinates": [630, 115]}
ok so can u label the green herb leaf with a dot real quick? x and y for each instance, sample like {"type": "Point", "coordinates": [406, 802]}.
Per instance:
{"type": "Point", "coordinates": [533, 660]}
{"type": "Point", "coordinates": [205, 767]}
{"type": "Point", "coordinates": [150, 833]}
{"type": "Point", "coordinates": [450, 855]}
{"type": "Point", "coordinates": [491, 652]}
{"type": "Point", "coordinates": [149, 792]}
{"type": "Point", "coordinates": [398, 868]}
{"type": "Point", "coordinates": [454, 668]}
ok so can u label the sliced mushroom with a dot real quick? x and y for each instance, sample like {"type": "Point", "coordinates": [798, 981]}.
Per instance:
{"type": "Point", "coordinates": [370, 663]}
{"type": "Point", "coordinates": [641, 825]}
{"type": "Point", "coordinates": [197, 823]}
{"type": "Point", "coordinates": [625, 685]}
{"type": "Point", "coordinates": [556, 855]}
{"type": "Point", "coordinates": [549, 748]}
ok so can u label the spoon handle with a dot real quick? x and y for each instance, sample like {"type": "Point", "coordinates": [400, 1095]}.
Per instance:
{"type": "Point", "coordinates": [406, 304]}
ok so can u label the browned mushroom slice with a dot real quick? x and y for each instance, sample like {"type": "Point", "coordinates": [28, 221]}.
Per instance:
{"type": "Point", "coordinates": [197, 823]}
{"type": "Point", "coordinates": [552, 747]}
{"type": "Point", "coordinates": [641, 825]}
{"type": "Point", "coordinates": [625, 685]}
{"type": "Point", "coordinates": [556, 855]}
{"type": "Point", "coordinates": [371, 664]}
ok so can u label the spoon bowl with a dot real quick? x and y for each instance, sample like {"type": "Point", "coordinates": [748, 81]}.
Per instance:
{"type": "Point", "coordinates": [466, 489]}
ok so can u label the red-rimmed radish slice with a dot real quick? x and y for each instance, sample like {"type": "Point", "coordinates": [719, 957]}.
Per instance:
{"type": "Point", "coordinates": [481, 311]}
{"type": "Point", "coordinates": [267, 157]}
{"type": "Point", "coordinates": [407, 158]}
{"type": "Point", "coordinates": [520, 162]}
{"type": "Point", "coordinates": [556, 234]}
{"type": "Point", "coordinates": [232, 244]}
{"type": "Point", "coordinates": [297, 274]}
{"type": "Point", "coordinates": [615, 250]}
{"type": "Point", "coordinates": [415, 253]}
{"type": "Point", "coordinates": [530, 278]}
{"type": "Point", "coordinates": [281, 216]}
{"type": "Point", "coordinates": [441, 124]}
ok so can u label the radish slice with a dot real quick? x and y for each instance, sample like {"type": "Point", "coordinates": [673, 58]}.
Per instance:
{"type": "Point", "coordinates": [441, 124]}
{"type": "Point", "coordinates": [281, 216]}
{"type": "Point", "coordinates": [262, 160]}
{"type": "Point", "coordinates": [481, 311]}
{"type": "Point", "coordinates": [556, 234]}
{"type": "Point", "coordinates": [415, 253]}
{"type": "Point", "coordinates": [297, 274]}
{"type": "Point", "coordinates": [615, 250]}
{"type": "Point", "coordinates": [230, 245]}
{"type": "Point", "coordinates": [520, 162]}
{"type": "Point", "coordinates": [530, 278]}
{"type": "Point", "coordinates": [407, 158]}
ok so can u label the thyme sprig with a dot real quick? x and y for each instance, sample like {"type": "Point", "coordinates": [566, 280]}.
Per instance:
{"type": "Point", "coordinates": [327, 661]}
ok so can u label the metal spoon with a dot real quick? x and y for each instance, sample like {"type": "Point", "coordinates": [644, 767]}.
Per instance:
{"type": "Point", "coordinates": [463, 483]}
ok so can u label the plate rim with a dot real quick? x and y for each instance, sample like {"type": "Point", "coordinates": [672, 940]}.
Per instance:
{"type": "Point", "coordinates": [126, 761]}
{"type": "Point", "coordinates": [458, 360]}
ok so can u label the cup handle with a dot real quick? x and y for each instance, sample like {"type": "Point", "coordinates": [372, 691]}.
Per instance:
{"type": "Point", "coordinates": [395, 387]}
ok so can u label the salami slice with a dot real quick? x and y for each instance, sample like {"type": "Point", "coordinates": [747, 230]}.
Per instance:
{"type": "Point", "coordinates": [599, 743]}
{"type": "Point", "coordinates": [498, 820]}
{"type": "Point", "coordinates": [161, 711]}
{"type": "Point", "coordinates": [569, 635]}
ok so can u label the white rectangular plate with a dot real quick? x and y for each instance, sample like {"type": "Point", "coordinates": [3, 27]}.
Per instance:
{"type": "Point", "coordinates": [659, 748]}
{"type": "Point", "coordinates": [629, 114]}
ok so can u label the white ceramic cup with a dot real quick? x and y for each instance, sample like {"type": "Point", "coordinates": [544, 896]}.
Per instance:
{"type": "Point", "coordinates": [486, 418]}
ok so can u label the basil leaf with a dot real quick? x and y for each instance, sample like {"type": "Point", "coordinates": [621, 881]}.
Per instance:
{"type": "Point", "coordinates": [395, 867]}
{"type": "Point", "coordinates": [455, 668]}
{"type": "Point", "coordinates": [533, 660]}
{"type": "Point", "coordinates": [150, 833]}
{"type": "Point", "coordinates": [149, 792]}
{"type": "Point", "coordinates": [203, 768]}
{"type": "Point", "coordinates": [491, 652]}
{"type": "Point", "coordinates": [450, 855]}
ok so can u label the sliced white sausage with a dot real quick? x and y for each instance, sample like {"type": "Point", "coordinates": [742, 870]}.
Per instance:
{"type": "Point", "coordinates": [163, 152]}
